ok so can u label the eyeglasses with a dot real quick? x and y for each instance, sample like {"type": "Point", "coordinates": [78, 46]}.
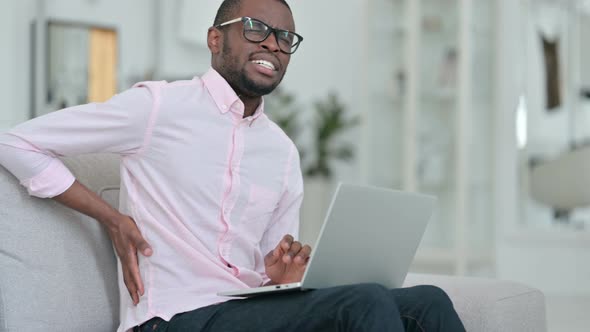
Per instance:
{"type": "Point", "coordinates": [257, 31]}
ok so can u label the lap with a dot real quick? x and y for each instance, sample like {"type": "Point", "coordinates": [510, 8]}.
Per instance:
{"type": "Point", "coordinates": [317, 310]}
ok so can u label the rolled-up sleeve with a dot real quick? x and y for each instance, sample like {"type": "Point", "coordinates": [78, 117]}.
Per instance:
{"type": "Point", "coordinates": [32, 149]}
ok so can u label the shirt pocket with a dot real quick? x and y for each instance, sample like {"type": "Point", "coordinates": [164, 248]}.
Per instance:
{"type": "Point", "coordinates": [258, 213]}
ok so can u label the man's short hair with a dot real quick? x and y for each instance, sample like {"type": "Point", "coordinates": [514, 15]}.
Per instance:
{"type": "Point", "coordinates": [229, 8]}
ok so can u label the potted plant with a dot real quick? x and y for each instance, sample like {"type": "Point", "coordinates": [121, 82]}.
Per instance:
{"type": "Point", "coordinates": [330, 122]}
{"type": "Point", "coordinates": [283, 110]}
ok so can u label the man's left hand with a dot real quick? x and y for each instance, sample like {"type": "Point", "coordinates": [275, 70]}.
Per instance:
{"type": "Point", "coordinates": [287, 262]}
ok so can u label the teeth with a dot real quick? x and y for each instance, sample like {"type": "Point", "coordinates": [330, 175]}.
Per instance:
{"type": "Point", "coordinates": [265, 63]}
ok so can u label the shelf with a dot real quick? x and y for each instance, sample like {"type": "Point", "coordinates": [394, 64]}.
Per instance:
{"type": "Point", "coordinates": [446, 97]}
{"type": "Point", "coordinates": [552, 237]}
{"type": "Point", "coordinates": [438, 189]}
{"type": "Point", "coordinates": [425, 98]}
{"type": "Point", "coordinates": [388, 29]}
{"type": "Point", "coordinates": [434, 122]}
{"type": "Point", "coordinates": [386, 98]}
{"type": "Point", "coordinates": [448, 256]}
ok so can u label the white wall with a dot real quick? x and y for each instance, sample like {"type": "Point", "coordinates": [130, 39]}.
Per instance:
{"type": "Point", "coordinates": [6, 65]}
{"type": "Point", "coordinates": [508, 86]}
{"type": "Point", "coordinates": [528, 249]}
{"type": "Point", "coordinates": [183, 50]}
{"type": "Point", "coordinates": [132, 19]}
{"type": "Point", "coordinates": [551, 132]}
{"type": "Point", "coordinates": [16, 19]}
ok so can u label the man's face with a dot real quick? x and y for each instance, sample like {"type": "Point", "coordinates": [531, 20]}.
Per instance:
{"type": "Point", "coordinates": [238, 57]}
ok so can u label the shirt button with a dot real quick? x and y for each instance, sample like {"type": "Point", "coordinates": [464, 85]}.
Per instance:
{"type": "Point", "coordinates": [224, 107]}
{"type": "Point", "coordinates": [229, 265]}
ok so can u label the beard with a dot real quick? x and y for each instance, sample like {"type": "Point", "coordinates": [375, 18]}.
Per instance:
{"type": "Point", "coordinates": [239, 81]}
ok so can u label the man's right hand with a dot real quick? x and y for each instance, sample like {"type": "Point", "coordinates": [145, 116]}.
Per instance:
{"type": "Point", "coordinates": [128, 241]}
{"type": "Point", "coordinates": [122, 229]}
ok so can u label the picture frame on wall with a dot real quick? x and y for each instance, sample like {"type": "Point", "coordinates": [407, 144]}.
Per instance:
{"type": "Point", "coordinates": [80, 65]}
{"type": "Point", "coordinates": [552, 68]}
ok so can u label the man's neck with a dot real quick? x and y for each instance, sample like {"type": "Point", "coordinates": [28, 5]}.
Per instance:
{"type": "Point", "coordinates": [250, 104]}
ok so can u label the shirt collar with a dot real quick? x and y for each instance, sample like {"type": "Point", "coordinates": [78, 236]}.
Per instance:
{"type": "Point", "coordinates": [224, 96]}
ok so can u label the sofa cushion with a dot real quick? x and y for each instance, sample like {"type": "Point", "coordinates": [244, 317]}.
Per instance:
{"type": "Point", "coordinates": [57, 267]}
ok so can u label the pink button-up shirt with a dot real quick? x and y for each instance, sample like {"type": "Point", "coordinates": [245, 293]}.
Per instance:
{"type": "Point", "coordinates": [210, 191]}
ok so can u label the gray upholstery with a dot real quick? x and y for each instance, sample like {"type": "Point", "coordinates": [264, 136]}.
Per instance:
{"type": "Point", "coordinates": [58, 269]}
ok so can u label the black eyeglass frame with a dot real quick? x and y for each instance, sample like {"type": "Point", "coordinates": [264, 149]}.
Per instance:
{"type": "Point", "coordinates": [270, 30]}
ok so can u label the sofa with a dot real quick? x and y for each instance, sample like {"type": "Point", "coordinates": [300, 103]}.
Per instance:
{"type": "Point", "coordinates": [58, 268]}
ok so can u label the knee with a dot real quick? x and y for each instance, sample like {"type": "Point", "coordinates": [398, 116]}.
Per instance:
{"type": "Point", "coordinates": [363, 307]}
{"type": "Point", "coordinates": [371, 296]}
{"type": "Point", "coordinates": [436, 298]}
{"type": "Point", "coordinates": [369, 302]}
{"type": "Point", "coordinates": [437, 312]}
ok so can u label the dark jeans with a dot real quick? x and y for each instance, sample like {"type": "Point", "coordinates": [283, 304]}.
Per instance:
{"type": "Point", "coordinates": [365, 307]}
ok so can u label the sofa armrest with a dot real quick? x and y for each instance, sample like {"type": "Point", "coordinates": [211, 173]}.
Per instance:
{"type": "Point", "coordinates": [488, 305]}
{"type": "Point", "coordinates": [58, 270]}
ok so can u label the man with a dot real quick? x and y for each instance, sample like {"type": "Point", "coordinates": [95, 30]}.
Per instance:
{"type": "Point", "coordinates": [211, 191]}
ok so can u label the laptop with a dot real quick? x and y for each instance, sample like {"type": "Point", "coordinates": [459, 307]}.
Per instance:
{"type": "Point", "coordinates": [369, 235]}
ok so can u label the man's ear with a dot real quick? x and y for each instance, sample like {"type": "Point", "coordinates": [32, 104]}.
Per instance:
{"type": "Point", "coordinates": [214, 40]}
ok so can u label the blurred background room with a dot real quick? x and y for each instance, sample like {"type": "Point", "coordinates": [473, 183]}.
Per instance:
{"type": "Point", "coordinates": [483, 103]}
